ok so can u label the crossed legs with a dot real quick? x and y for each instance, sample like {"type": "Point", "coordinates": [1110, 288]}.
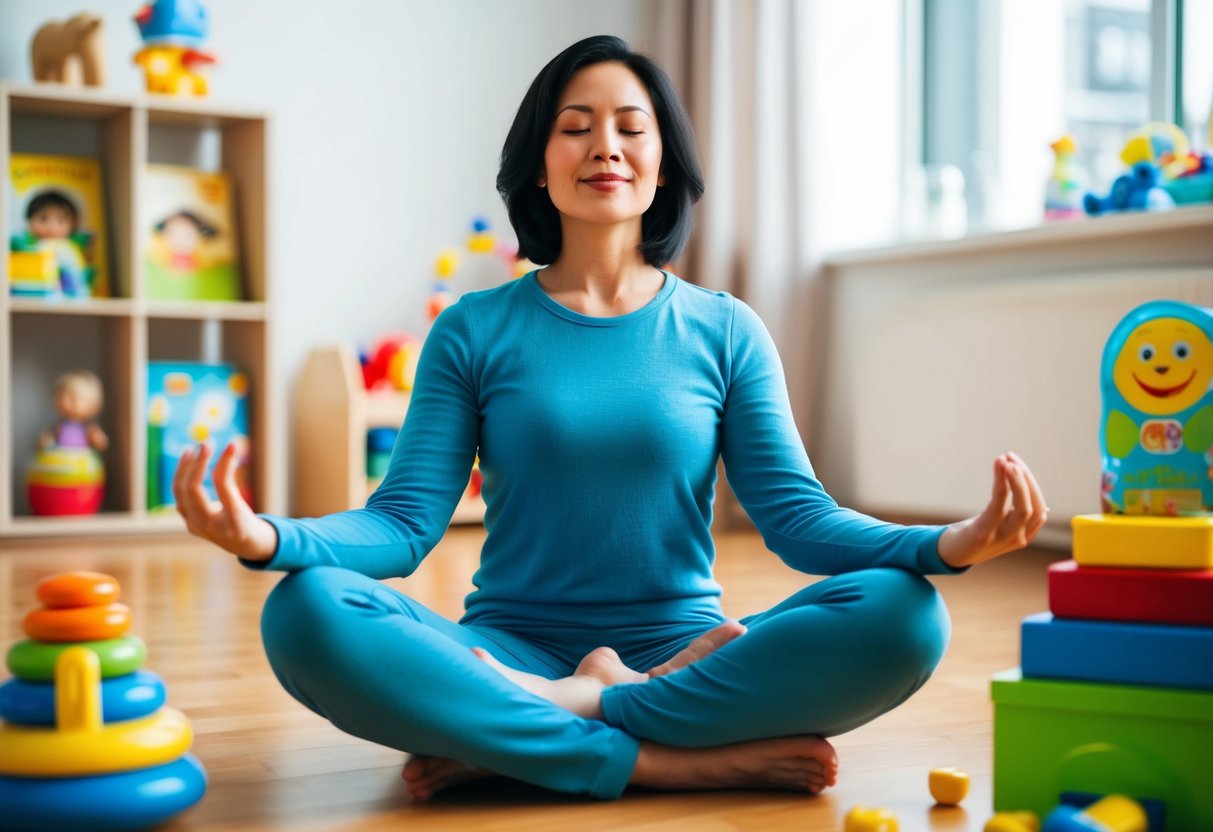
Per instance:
{"type": "Point", "coordinates": [728, 710]}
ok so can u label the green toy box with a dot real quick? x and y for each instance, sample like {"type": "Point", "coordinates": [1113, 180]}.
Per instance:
{"type": "Point", "coordinates": [1054, 736]}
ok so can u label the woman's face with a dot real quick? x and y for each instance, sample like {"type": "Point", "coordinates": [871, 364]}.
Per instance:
{"type": "Point", "coordinates": [602, 163]}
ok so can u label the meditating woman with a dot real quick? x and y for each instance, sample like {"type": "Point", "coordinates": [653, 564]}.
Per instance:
{"type": "Point", "coordinates": [599, 393]}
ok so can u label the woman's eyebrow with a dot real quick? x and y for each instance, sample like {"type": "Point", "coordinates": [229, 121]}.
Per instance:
{"type": "Point", "coordinates": [585, 108]}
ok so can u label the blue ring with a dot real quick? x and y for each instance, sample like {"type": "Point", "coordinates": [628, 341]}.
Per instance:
{"type": "Point", "coordinates": [106, 803]}
{"type": "Point", "coordinates": [132, 696]}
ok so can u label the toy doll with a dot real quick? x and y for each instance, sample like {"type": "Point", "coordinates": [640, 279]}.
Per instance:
{"type": "Point", "coordinates": [78, 400]}
{"type": "Point", "coordinates": [53, 225]}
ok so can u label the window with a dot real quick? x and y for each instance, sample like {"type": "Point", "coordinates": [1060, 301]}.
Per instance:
{"type": "Point", "coordinates": [1004, 79]}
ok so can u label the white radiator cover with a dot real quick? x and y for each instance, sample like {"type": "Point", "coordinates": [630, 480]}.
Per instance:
{"type": "Point", "coordinates": [941, 357]}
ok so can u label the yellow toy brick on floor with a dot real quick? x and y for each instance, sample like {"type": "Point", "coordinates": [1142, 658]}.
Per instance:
{"type": "Point", "coordinates": [1143, 542]}
{"type": "Point", "coordinates": [948, 785]}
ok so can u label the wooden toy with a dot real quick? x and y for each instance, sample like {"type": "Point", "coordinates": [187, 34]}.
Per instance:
{"type": "Point", "coordinates": [1145, 595]}
{"type": "Point", "coordinates": [1012, 822]}
{"type": "Point", "coordinates": [77, 589]}
{"type": "Point", "coordinates": [1114, 813]}
{"type": "Point", "coordinates": [863, 819]}
{"type": "Point", "coordinates": [34, 661]}
{"type": "Point", "coordinates": [1156, 430]}
{"type": "Point", "coordinates": [132, 696]}
{"type": "Point", "coordinates": [1054, 736]}
{"type": "Point", "coordinates": [1145, 542]}
{"type": "Point", "coordinates": [948, 785]}
{"type": "Point", "coordinates": [95, 623]}
{"type": "Point", "coordinates": [60, 44]}
{"type": "Point", "coordinates": [1163, 655]}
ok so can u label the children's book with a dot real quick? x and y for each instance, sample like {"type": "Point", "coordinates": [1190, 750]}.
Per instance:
{"type": "Point", "coordinates": [57, 230]}
{"type": "Point", "coordinates": [188, 404]}
{"type": "Point", "coordinates": [192, 251]}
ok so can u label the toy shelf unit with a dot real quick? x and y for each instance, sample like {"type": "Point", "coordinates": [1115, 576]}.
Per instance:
{"type": "Point", "coordinates": [333, 414]}
{"type": "Point", "coordinates": [117, 327]}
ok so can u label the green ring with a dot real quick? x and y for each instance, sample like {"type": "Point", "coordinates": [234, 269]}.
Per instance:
{"type": "Point", "coordinates": [34, 661]}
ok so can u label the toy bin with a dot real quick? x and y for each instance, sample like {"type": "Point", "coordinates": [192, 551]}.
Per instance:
{"type": "Point", "coordinates": [1052, 737]}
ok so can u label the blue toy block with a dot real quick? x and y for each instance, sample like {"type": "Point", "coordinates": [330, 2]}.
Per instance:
{"type": "Point", "coordinates": [1161, 655]}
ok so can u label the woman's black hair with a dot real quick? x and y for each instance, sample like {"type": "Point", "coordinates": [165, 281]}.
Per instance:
{"type": "Point", "coordinates": [666, 225]}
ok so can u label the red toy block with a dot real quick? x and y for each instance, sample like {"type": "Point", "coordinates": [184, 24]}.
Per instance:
{"type": "Point", "coordinates": [1155, 596]}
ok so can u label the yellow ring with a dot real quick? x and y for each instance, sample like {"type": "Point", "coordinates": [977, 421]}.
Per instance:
{"type": "Point", "coordinates": [27, 751]}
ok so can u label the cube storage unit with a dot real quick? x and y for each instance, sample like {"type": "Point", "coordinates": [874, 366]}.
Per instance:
{"type": "Point", "coordinates": [1115, 692]}
{"type": "Point", "coordinates": [116, 336]}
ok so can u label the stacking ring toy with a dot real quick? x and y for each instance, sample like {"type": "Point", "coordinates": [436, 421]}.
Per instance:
{"type": "Point", "coordinates": [80, 743]}
{"type": "Point", "coordinates": [92, 623]}
{"type": "Point", "coordinates": [77, 589]}
{"type": "Point", "coordinates": [105, 803]}
{"type": "Point", "coordinates": [132, 696]}
{"type": "Point", "coordinates": [34, 661]}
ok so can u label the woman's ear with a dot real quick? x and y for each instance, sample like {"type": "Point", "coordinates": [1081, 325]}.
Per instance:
{"type": "Point", "coordinates": [660, 179]}
{"type": "Point", "coordinates": [543, 180]}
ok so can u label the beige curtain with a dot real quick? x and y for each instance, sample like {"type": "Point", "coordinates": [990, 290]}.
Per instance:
{"type": "Point", "coordinates": [743, 74]}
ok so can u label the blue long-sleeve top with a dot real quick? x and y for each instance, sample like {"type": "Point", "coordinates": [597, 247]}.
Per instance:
{"type": "Point", "coordinates": [598, 441]}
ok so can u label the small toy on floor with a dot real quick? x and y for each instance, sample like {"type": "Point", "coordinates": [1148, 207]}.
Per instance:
{"type": "Point", "coordinates": [948, 785]}
{"type": "Point", "coordinates": [864, 819]}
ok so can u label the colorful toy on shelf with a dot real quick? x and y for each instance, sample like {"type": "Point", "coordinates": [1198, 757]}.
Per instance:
{"type": "Point", "coordinates": [85, 744]}
{"type": "Point", "coordinates": [1138, 190]}
{"type": "Point", "coordinates": [1114, 813]}
{"type": "Point", "coordinates": [172, 31]}
{"type": "Point", "coordinates": [948, 785]}
{"type": "Point", "coordinates": [392, 362]}
{"type": "Point", "coordinates": [1193, 181]}
{"type": "Point", "coordinates": [70, 51]}
{"type": "Point", "coordinates": [51, 257]}
{"type": "Point", "coordinates": [67, 476]}
{"type": "Point", "coordinates": [1156, 431]}
{"type": "Point", "coordinates": [480, 241]}
{"type": "Point", "coordinates": [863, 819]}
{"type": "Point", "coordinates": [1159, 143]}
{"type": "Point", "coordinates": [1066, 185]}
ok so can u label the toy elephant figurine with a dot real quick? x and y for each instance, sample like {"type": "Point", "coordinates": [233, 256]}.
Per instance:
{"type": "Point", "coordinates": [1137, 190]}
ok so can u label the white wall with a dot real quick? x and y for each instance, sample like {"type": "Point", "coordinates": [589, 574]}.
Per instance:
{"type": "Point", "coordinates": [388, 119]}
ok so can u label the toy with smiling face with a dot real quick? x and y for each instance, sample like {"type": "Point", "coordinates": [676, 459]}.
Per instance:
{"type": "Point", "coordinates": [1157, 427]}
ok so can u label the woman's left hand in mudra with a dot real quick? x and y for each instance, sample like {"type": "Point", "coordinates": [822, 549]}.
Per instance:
{"type": "Point", "coordinates": [1014, 515]}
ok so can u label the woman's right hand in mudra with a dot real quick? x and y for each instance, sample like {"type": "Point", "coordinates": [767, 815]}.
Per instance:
{"type": "Point", "coordinates": [228, 522]}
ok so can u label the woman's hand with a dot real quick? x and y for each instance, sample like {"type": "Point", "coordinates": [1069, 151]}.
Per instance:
{"type": "Point", "coordinates": [227, 522]}
{"type": "Point", "coordinates": [1013, 517]}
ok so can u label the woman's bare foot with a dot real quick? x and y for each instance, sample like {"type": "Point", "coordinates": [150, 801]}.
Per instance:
{"type": "Point", "coordinates": [581, 693]}
{"type": "Point", "coordinates": [424, 777]}
{"type": "Point", "coordinates": [790, 763]}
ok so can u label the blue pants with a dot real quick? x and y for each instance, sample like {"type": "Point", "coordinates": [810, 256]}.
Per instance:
{"type": "Point", "coordinates": [383, 667]}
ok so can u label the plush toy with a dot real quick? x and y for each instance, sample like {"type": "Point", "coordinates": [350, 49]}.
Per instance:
{"type": "Point", "coordinates": [1137, 190]}
{"type": "Point", "coordinates": [171, 31]}
{"type": "Point", "coordinates": [60, 44]}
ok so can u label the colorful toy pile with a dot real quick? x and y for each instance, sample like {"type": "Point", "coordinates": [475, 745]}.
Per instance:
{"type": "Point", "coordinates": [1163, 172]}
{"type": "Point", "coordinates": [87, 742]}
{"type": "Point", "coordinates": [1115, 692]}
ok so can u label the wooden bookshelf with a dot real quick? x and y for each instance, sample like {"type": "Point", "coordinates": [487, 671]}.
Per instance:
{"type": "Point", "coordinates": [333, 412]}
{"type": "Point", "coordinates": [116, 337]}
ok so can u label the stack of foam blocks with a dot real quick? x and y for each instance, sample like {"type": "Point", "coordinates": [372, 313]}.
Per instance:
{"type": "Point", "coordinates": [1115, 692]}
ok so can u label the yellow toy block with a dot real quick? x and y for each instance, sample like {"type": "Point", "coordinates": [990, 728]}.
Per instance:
{"type": "Point", "coordinates": [863, 819]}
{"type": "Point", "coordinates": [1143, 542]}
{"type": "Point", "coordinates": [948, 785]}
{"type": "Point", "coordinates": [1013, 822]}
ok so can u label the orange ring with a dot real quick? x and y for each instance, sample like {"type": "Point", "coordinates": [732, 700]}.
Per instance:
{"type": "Point", "coordinates": [95, 623]}
{"type": "Point", "coordinates": [77, 589]}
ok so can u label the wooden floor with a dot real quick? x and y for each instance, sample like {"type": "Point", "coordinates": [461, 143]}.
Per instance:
{"type": "Point", "coordinates": [274, 765]}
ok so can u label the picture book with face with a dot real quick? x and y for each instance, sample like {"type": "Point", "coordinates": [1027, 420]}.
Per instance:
{"type": "Point", "coordinates": [191, 250]}
{"type": "Point", "coordinates": [57, 229]}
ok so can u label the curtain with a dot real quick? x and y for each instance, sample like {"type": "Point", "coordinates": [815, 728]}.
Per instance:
{"type": "Point", "coordinates": [744, 76]}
